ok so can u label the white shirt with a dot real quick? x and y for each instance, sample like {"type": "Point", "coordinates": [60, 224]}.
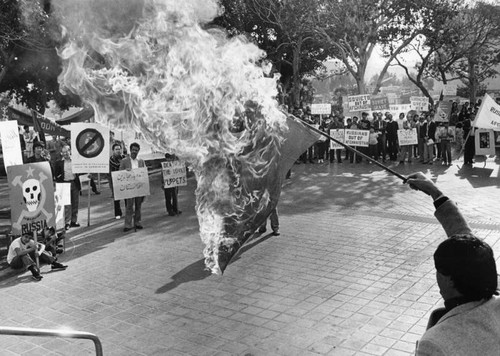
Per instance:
{"type": "Point", "coordinates": [68, 171]}
{"type": "Point", "coordinates": [134, 163]}
{"type": "Point", "coordinates": [17, 243]}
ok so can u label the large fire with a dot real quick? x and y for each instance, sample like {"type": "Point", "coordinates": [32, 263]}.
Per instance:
{"type": "Point", "coordinates": [150, 66]}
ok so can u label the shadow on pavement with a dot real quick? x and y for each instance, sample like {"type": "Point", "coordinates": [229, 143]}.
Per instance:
{"type": "Point", "coordinates": [194, 272]}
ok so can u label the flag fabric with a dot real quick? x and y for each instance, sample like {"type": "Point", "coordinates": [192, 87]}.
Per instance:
{"type": "Point", "coordinates": [298, 138]}
{"type": "Point", "coordinates": [488, 116]}
{"type": "Point", "coordinates": [37, 126]}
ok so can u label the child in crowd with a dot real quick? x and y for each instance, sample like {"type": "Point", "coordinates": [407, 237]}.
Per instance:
{"type": "Point", "coordinates": [373, 143]}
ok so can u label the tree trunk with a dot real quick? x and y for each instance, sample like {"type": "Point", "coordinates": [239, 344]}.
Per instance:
{"type": "Point", "coordinates": [473, 82]}
{"type": "Point", "coordinates": [296, 76]}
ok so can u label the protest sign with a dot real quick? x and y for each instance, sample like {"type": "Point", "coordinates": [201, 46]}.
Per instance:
{"type": "Point", "coordinates": [174, 174]}
{"type": "Point", "coordinates": [130, 183]}
{"type": "Point", "coordinates": [488, 116]}
{"type": "Point", "coordinates": [11, 145]}
{"type": "Point", "coordinates": [450, 90]}
{"type": "Point", "coordinates": [89, 148]}
{"type": "Point", "coordinates": [358, 103]}
{"type": "Point", "coordinates": [379, 103]}
{"type": "Point", "coordinates": [397, 109]}
{"type": "Point", "coordinates": [62, 197]}
{"type": "Point", "coordinates": [485, 142]}
{"type": "Point", "coordinates": [31, 197]}
{"type": "Point", "coordinates": [337, 134]}
{"type": "Point", "coordinates": [321, 109]}
{"type": "Point", "coordinates": [407, 137]}
{"type": "Point", "coordinates": [443, 111]}
{"type": "Point", "coordinates": [357, 137]}
{"type": "Point", "coordinates": [419, 103]}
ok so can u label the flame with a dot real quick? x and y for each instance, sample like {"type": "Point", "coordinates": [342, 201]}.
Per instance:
{"type": "Point", "coordinates": [151, 67]}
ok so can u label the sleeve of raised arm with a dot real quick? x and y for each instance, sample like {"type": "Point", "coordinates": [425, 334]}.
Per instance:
{"type": "Point", "coordinates": [451, 219]}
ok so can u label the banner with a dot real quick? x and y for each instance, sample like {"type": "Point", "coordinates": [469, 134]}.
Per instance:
{"type": "Point", "coordinates": [89, 148]}
{"type": "Point", "coordinates": [11, 144]}
{"type": "Point", "coordinates": [488, 116]}
{"type": "Point", "coordinates": [407, 137]}
{"type": "Point", "coordinates": [357, 137]}
{"type": "Point", "coordinates": [419, 103]}
{"type": "Point", "coordinates": [31, 197]}
{"type": "Point", "coordinates": [339, 135]}
{"type": "Point", "coordinates": [130, 184]}
{"type": "Point", "coordinates": [485, 142]}
{"type": "Point", "coordinates": [321, 109]}
{"type": "Point", "coordinates": [48, 126]}
{"type": "Point", "coordinates": [379, 103]}
{"type": "Point", "coordinates": [174, 174]}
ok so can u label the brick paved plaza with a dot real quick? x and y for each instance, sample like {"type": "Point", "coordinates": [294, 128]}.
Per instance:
{"type": "Point", "coordinates": [351, 273]}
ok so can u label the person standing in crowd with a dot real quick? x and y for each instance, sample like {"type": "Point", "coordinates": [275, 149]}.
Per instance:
{"type": "Point", "coordinates": [415, 124]}
{"type": "Point", "coordinates": [392, 137]}
{"type": "Point", "coordinates": [406, 149]}
{"type": "Point", "coordinates": [171, 192]}
{"type": "Point", "coordinates": [133, 206]}
{"type": "Point", "coordinates": [469, 145]}
{"type": "Point", "coordinates": [29, 139]}
{"type": "Point", "coordinates": [373, 144]}
{"type": "Point", "coordinates": [38, 156]}
{"type": "Point", "coordinates": [22, 252]}
{"type": "Point", "coordinates": [64, 174]}
{"type": "Point", "coordinates": [429, 136]}
{"type": "Point", "coordinates": [334, 125]}
{"type": "Point", "coordinates": [466, 274]}
{"type": "Point", "coordinates": [379, 125]}
{"type": "Point", "coordinates": [114, 165]}
{"type": "Point", "coordinates": [323, 142]}
{"type": "Point", "coordinates": [445, 135]}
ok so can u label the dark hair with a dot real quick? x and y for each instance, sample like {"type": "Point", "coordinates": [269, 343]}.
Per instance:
{"type": "Point", "coordinates": [116, 145]}
{"type": "Point", "coordinates": [39, 144]}
{"type": "Point", "coordinates": [135, 144]}
{"type": "Point", "coordinates": [470, 263]}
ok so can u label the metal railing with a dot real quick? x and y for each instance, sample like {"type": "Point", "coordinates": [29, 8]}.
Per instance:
{"type": "Point", "coordinates": [53, 333]}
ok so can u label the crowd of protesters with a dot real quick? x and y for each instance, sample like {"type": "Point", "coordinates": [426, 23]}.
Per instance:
{"type": "Point", "coordinates": [436, 138]}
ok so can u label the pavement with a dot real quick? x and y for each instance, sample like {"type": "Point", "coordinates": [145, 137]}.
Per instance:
{"type": "Point", "coordinates": [350, 274]}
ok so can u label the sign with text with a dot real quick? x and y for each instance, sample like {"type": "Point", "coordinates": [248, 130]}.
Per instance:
{"type": "Point", "coordinates": [357, 137]}
{"type": "Point", "coordinates": [89, 148]}
{"type": "Point", "coordinates": [31, 197]}
{"type": "Point", "coordinates": [359, 103]}
{"type": "Point", "coordinates": [62, 197]}
{"type": "Point", "coordinates": [379, 103]}
{"type": "Point", "coordinates": [407, 137]}
{"type": "Point", "coordinates": [419, 103]}
{"type": "Point", "coordinates": [443, 111]}
{"type": "Point", "coordinates": [174, 174]}
{"type": "Point", "coordinates": [449, 90]}
{"type": "Point", "coordinates": [321, 109]}
{"type": "Point", "coordinates": [397, 109]}
{"type": "Point", "coordinates": [488, 116]}
{"type": "Point", "coordinates": [337, 134]}
{"type": "Point", "coordinates": [11, 145]}
{"type": "Point", "coordinates": [130, 184]}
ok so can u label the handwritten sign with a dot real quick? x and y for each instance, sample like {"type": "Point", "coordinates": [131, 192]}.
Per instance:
{"type": "Point", "coordinates": [379, 103]}
{"type": "Point", "coordinates": [321, 109]}
{"type": "Point", "coordinates": [419, 103]}
{"type": "Point", "coordinates": [407, 137]}
{"type": "Point", "coordinates": [130, 184]}
{"type": "Point", "coordinates": [359, 103]}
{"type": "Point", "coordinates": [337, 134]}
{"type": "Point", "coordinates": [11, 146]}
{"type": "Point", "coordinates": [174, 174]}
{"type": "Point", "coordinates": [357, 137]}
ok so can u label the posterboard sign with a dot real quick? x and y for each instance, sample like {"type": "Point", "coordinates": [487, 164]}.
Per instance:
{"type": "Point", "coordinates": [130, 184]}
{"type": "Point", "coordinates": [11, 145]}
{"type": "Point", "coordinates": [31, 197]}
{"type": "Point", "coordinates": [321, 109]}
{"type": "Point", "coordinates": [89, 148]}
{"type": "Point", "coordinates": [419, 103]}
{"type": "Point", "coordinates": [174, 174]}
{"type": "Point", "coordinates": [397, 109]}
{"type": "Point", "coordinates": [450, 90]}
{"type": "Point", "coordinates": [453, 130]}
{"type": "Point", "coordinates": [407, 137]}
{"type": "Point", "coordinates": [379, 103]}
{"type": "Point", "coordinates": [62, 197]}
{"type": "Point", "coordinates": [485, 142]}
{"type": "Point", "coordinates": [357, 137]}
{"type": "Point", "coordinates": [339, 135]}
{"type": "Point", "coordinates": [359, 103]}
{"type": "Point", "coordinates": [443, 111]}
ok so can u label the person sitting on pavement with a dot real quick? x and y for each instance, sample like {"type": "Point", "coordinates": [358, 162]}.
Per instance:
{"type": "Point", "coordinates": [22, 252]}
{"type": "Point", "coordinates": [466, 273]}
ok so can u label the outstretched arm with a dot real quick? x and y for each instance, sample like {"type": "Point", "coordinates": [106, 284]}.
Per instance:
{"type": "Point", "coordinates": [447, 211]}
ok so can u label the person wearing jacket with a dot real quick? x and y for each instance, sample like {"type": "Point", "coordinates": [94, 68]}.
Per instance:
{"type": "Point", "coordinates": [466, 274]}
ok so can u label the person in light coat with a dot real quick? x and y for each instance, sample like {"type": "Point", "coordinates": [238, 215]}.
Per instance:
{"type": "Point", "coordinates": [466, 273]}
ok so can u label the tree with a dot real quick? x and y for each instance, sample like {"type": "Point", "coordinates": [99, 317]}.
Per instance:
{"type": "Point", "coordinates": [354, 28]}
{"type": "Point", "coordinates": [285, 30]}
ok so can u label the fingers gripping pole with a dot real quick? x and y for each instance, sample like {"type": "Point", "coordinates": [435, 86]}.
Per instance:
{"type": "Point", "coordinates": [403, 178]}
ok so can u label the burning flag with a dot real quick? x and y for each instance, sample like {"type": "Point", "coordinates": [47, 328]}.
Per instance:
{"type": "Point", "coordinates": [149, 66]}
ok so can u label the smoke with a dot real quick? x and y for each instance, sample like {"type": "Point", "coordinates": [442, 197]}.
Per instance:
{"type": "Point", "coordinates": [149, 66]}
